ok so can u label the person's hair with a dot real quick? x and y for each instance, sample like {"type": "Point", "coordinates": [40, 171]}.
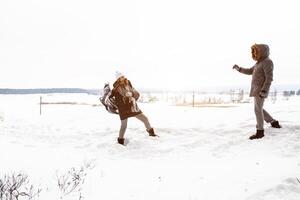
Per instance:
{"type": "Point", "coordinates": [254, 48]}
{"type": "Point", "coordinates": [121, 82]}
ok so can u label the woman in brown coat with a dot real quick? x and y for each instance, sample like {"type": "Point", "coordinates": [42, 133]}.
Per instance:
{"type": "Point", "coordinates": [125, 97]}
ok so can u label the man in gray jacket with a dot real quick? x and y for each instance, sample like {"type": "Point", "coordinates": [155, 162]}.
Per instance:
{"type": "Point", "coordinates": [262, 76]}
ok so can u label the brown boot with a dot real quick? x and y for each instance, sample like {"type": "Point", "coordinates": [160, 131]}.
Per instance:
{"type": "Point", "coordinates": [259, 134]}
{"type": "Point", "coordinates": [121, 141]}
{"type": "Point", "coordinates": [151, 132]}
{"type": "Point", "coordinates": [275, 124]}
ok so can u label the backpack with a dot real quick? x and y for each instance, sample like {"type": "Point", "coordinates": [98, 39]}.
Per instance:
{"type": "Point", "coordinates": [109, 103]}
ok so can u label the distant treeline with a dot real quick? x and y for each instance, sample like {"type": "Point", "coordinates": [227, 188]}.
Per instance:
{"type": "Point", "coordinates": [48, 90]}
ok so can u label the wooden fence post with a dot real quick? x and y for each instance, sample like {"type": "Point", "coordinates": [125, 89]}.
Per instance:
{"type": "Point", "coordinates": [40, 105]}
{"type": "Point", "coordinates": [193, 98]}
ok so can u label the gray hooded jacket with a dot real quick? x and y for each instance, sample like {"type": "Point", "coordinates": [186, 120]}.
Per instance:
{"type": "Point", "coordinates": [262, 72]}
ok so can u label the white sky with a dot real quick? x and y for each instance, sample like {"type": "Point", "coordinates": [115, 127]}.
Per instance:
{"type": "Point", "coordinates": [173, 44]}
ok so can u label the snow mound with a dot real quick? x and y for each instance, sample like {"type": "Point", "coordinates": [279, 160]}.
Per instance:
{"type": "Point", "coordinates": [287, 189]}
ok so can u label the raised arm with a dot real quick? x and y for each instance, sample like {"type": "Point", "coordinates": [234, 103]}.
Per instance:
{"type": "Point", "coordinates": [242, 70]}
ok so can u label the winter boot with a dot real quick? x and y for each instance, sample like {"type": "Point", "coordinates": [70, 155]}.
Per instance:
{"type": "Point", "coordinates": [275, 124]}
{"type": "Point", "coordinates": [151, 132]}
{"type": "Point", "coordinates": [121, 141]}
{"type": "Point", "coordinates": [259, 134]}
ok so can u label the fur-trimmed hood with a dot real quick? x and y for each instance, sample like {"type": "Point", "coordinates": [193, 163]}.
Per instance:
{"type": "Point", "coordinates": [263, 49]}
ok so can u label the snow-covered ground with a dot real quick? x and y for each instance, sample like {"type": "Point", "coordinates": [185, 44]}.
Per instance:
{"type": "Point", "coordinates": [202, 153]}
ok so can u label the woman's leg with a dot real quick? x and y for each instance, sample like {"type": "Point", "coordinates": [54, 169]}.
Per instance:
{"type": "Point", "coordinates": [145, 120]}
{"type": "Point", "coordinates": [123, 128]}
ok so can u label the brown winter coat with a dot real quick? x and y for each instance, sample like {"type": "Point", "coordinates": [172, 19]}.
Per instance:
{"type": "Point", "coordinates": [262, 72]}
{"type": "Point", "coordinates": [127, 105]}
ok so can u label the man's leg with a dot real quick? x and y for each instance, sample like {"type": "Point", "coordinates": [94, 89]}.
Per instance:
{"type": "Point", "coordinates": [258, 109]}
{"type": "Point", "coordinates": [267, 117]}
{"type": "Point", "coordinates": [259, 114]}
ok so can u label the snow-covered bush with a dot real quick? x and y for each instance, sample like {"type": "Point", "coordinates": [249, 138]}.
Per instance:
{"type": "Point", "coordinates": [17, 186]}
{"type": "Point", "coordinates": [71, 182]}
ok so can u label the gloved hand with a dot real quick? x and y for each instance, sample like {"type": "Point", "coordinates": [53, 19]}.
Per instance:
{"type": "Point", "coordinates": [236, 67]}
{"type": "Point", "coordinates": [263, 94]}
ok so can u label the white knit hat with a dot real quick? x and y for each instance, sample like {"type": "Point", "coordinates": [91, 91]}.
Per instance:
{"type": "Point", "coordinates": [118, 75]}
